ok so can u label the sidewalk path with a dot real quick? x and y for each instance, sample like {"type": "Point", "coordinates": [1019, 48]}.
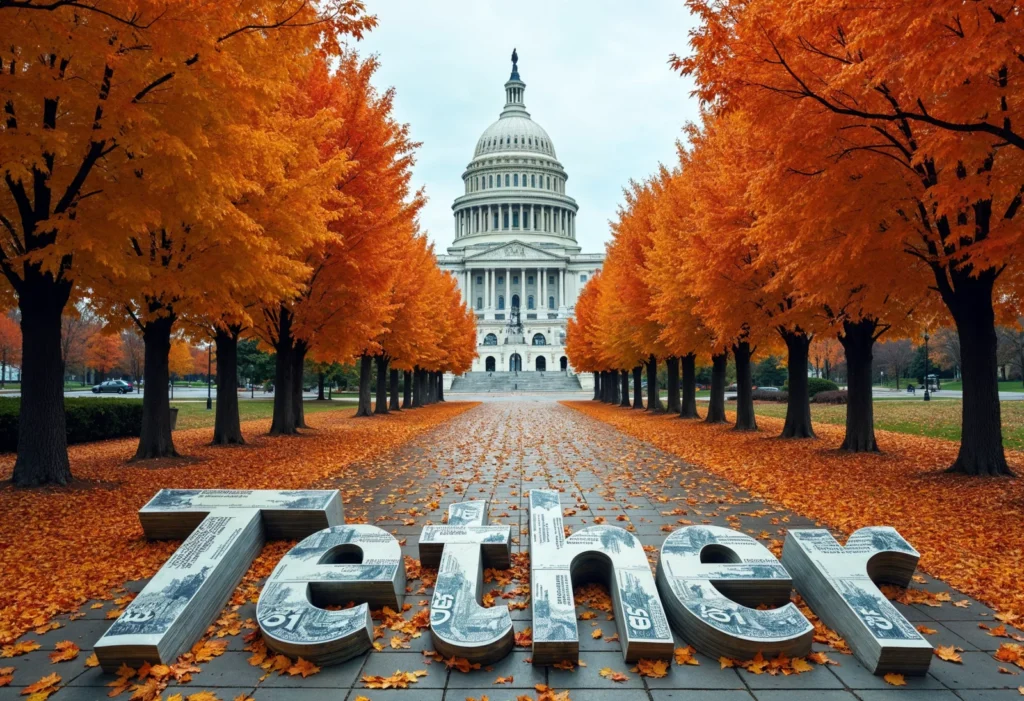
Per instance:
{"type": "Point", "coordinates": [500, 451]}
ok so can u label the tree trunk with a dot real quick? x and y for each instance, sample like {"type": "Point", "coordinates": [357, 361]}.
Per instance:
{"type": "Point", "coordinates": [716, 407]}
{"type": "Point", "coordinates": [981, 441]}
{"type": "Point", "coordinates": [688, 405]}
{"type": "Point", "coordinates": [440, 385]}
{"type": "Point", "coordinates": [597, 386]}
{"type": "Point", "coordinates": [745, 420]}
{"type": "Point", "coordinates": [42, 428]}
{"type": "Point", "coordinates": [381, 404]}
{"type": "Point", "coordinates": [622, 378]}
{"type": "Point", "coordinates": [638, 390]}
{"type": "Point", "coordinates": [798, 406]}
{"type": "Point", "coordinates": [858, 341]}
{"type": "Point", "coordinates": [417, 388]}
{"type": "Point", "coordinates": [616, 387]}
{"type": "Point", "coordinates": [320, 397]}
{"type": "Point", "coordinates": [407, 389]}
{"type": "Point", "coordinates": [227, 429]}
{"type": "Point", "coordinates": [393, 387]}
{"type": "Point", "coordinates": [155, 438]}
{"type": "Point", "coordinates": [365, 407]}
{"type": "Point", "coordinates": [299, 363]}
{"type": "Point", "coordinates": [672, 368]}
{"type": "Point", "coordinates": [653, 395]}
{"type": "Point", "coordinates": [283, 423]}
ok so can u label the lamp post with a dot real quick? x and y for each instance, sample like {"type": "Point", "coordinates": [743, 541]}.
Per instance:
{"type": "Point", "coordinates": [927, 396]}
{"type": "Point", "coordinates": [209, 380]}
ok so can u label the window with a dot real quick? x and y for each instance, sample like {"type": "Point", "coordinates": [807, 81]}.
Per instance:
{"type": "Point", "coordinates": [495, 225]}
{"type": "Point", "coordinates": [479, 279]}
{"type": "Point", "coordinates": [539, 340]}
{"type": "Point", "coordinates": [501, 279]}
{"type": "Point", "coordinates": [551, 279]}
{"type": "Point", "coordinates": [533, 181]}
{"type": "Point", "coordinates": [505, 217]}
{"type": "Point", "coordinates": [501, 301]}
{"type": "Point", "coordinates": [490, 181]}
{"type": "Point", "coordinates": [515, 180]}
{"type": "Point", "coordinates": [524, 179]}
{"type": "Point", "coordinates": [529, 302]}
{"type": "Point", "coordinates": [479, 302]}
{"type": "Point", "coordinates": [529, 280]}
{"type": "Point", "coordinates": [549, 182]}
{"type": "Point", "coordinates": [551, 302]}
{"type": "Point", "coordinates": [490, 340]}
{"type": "Point", "coordinates": [515, 219]}
{"type": "Point", "coordinates": [515, 279]}
{"type": "Point", "coordinates": [583, 278]}
{"type": "Point", "coordinates": [506, 179]}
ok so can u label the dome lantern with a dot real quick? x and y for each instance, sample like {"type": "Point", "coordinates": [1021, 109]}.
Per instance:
{"type": "Point", "coordinates": [514, 89]}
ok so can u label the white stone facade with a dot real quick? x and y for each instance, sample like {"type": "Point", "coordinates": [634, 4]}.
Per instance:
{"type": "Point", "coordinates": [515, 249]}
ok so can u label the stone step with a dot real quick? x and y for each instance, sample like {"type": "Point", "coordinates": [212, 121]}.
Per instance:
{"type": "Point", "coordinates": [482, 382]}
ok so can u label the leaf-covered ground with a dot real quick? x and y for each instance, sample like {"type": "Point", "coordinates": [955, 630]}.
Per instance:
{"type": "Point", "coordinates": [61, 547]}
{"type": "Point", "coordinates": [939, 418]}
{"type": "Point", "coordinates": [969, 530]}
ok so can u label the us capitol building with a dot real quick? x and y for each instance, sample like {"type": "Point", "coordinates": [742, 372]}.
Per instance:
{"type": "Point", "coordinates": [515, 254]}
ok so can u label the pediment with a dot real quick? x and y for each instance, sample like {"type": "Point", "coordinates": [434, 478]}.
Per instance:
{"type": "Point", "coordinates": [514, 250]}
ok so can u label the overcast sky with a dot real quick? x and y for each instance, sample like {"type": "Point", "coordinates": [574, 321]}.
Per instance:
{"type": "Point", "coordinates": [596, 76]}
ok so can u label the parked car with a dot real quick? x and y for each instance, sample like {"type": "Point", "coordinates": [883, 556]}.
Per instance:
{"type": "Point", "coordinates": [769, 389]}
{"type": "Point", "coordinates": [113, 386]}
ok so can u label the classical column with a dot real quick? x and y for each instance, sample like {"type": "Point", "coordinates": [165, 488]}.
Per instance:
{"type": "Point", "coordinates": [494, 285]}
{"type": "Point", "coordinates": [561, 288]}
{"type": "Point", "coordinates": [508, 283]}
{"type": "Point", "coordinates": [540, 288]}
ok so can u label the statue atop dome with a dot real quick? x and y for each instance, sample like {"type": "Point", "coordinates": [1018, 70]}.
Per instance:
{"type": "Point", "coordinates": [515, 67]}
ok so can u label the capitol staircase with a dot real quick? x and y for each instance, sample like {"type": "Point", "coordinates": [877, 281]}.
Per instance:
{"type": "Point", "coordinates": [523, 381]}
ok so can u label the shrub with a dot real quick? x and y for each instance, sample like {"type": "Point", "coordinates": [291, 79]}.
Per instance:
{"type": "Point", "coordinates": [87, 420]}
{"type": "Point", "coordinates": [762, 396]}
{"type": "Point", "coordinates": [818, 384]}
{"type": "Point", "coordinates": [839, 396]}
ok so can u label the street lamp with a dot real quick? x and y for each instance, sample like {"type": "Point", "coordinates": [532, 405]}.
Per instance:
{"type": "Point", "coordinates": [927, 396]}
{"type": "Point", "coordinates": [209, 380]}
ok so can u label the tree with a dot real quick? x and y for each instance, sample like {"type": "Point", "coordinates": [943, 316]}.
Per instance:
{"type": "Point", "coordinates": [103, 351]}
{"type": "Point", "coordinates": [10, 345]}
{"type": "Point", "coordinates": [896, 356]}
{"type": "Point", "coordinates": [1011, 338]}
{"type": "Point", "coordinates": [133, 354]}
{"type": "Point", "coordinates": [936, 124]}
{"type": "Point", "coordinates": [110, 121]}
{"type": "Point", "coordinates": [180, 361]}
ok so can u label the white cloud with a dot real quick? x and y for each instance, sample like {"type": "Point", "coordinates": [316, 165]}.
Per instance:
{"type": "Point", "coordinates": [597, 80]}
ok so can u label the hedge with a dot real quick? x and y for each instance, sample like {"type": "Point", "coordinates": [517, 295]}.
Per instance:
{"type": "Point", "coordinates": [87, 420]}
{"type": "Point", "coordinates": [840, 396]}
{"type": "Point", "coordinates": [762, 396]}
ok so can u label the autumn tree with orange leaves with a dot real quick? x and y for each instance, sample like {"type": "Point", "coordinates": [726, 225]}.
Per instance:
{"type": "Point", "coordinates": [924, 96]}
{"type": "Point", "coordinates": [106, 121]}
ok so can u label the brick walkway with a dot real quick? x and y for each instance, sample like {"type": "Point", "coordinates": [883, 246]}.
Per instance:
{"type": "Point", "coordinates": [500, 451]}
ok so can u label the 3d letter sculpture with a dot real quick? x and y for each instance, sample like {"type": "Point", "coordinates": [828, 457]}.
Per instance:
{"type": "Point", "coordinates": [712, 578]}
{"type": "Point", "coordinates": [839, 585]}
{"type": "Point", "coordinates": [600, 553]}
{"type": "Point", "coordinates": [459, 625]}
{"type": "Point", "coordinates": [331, 567]}
{"type": "Point", "coordinates": [224, 530]}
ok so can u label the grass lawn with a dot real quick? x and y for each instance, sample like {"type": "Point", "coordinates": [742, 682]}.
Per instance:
{"type": "Point", "coordinates": [939, 418]}
{"type": "Point", "coordinates": [195, 415]}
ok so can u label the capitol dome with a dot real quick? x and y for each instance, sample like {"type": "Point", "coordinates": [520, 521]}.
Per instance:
{"type": "Point", "coordinates": [515, 133]}
{"type": "Point", "coordinates": [514, 183]}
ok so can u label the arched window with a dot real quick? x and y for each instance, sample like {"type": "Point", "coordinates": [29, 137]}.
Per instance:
{"type": "Point", "coordinates": [501, 300]}
{"type": "Point", "coordinates": [533, 181]}
{"type": "Point", "coordinates": [489, 363]}
{"type": "Point", "coordinates": [515, 301]}
{"type": "Point", "coordinates": [549, 182]}
{"type": "Point", "coordinates": [490, 181]}
{"type": "Point", "coordinates": [515, 180]}
{"type": "Point", "coordinates": [524, 179]}
{"type": "Point", "coordinates": [539, 340]}
{"type": "Point", "coordinates": [479, 303]}
{"type": "Point", "coordinates": [551, 302]}
{"type": "Point", "coordinates": [490, 340]}
{"type": "Point", "coordinates": [506, 179]}
{"type": "Point", "coordinates": [529, 302]}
